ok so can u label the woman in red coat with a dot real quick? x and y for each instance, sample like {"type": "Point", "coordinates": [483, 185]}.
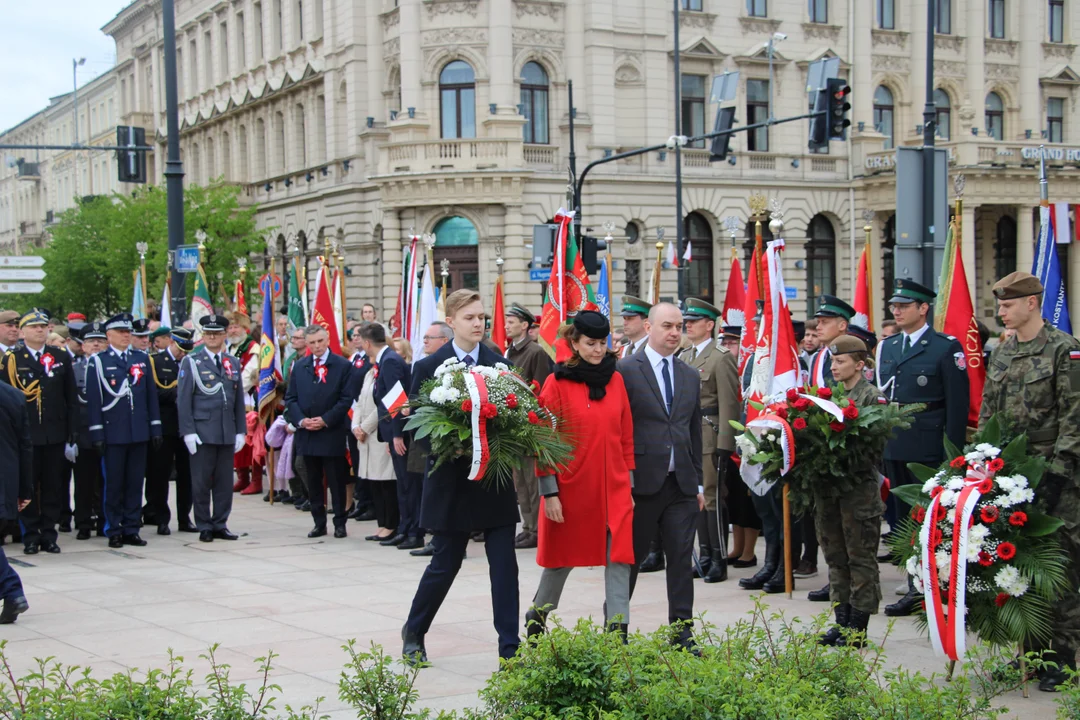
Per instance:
{"type": "Point", "coordinates": [587, 512]}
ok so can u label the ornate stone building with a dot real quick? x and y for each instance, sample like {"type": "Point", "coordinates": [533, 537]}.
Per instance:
{"type": "Point", "coordinates": [366, 121]}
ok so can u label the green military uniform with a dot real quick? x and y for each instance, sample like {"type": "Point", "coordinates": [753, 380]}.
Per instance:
{"type": "Point", "coordinates": [719, 405]}
{"type": "Point", "coordinates": [849, 527]}
{"type": "Point", "coordinates": [1034, 386]}
{"type": "Point", "coordinates": [634, 307]}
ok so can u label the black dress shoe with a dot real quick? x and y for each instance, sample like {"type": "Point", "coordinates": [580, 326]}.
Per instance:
{"type": "Point", "coordinates": [83, 534]}
{"type": "Point", "coordinates": [413, 543]}
{"type": "Point", "coordinates": [206, 536]}
{"type": "Point", "coordinates": [298, 501]}
{"type": "Point", "coordinates": [426, 551]}
{"type": "Point", "coordinates": [740, 563]}
{"type": "Point", "coordinates": [306, 506]}
{"type": "Point", "coordinates": [778, 582]}
{"type": "Point", "coordinates": [317, 532]}
{"type": "Point", "coordinates": [266, 497]}
{"type": "Point", "coordinates": [133, 540]}
{"type": "Point", "coordinates": [653, 562]}
{"type": "Point", "coordinates": [13, 608]}
{"type": "Point", "coordinates": [758, 579]}
{"type": "Point", "coordinates": [186, 527]}
{"type": "Point", "coordinates": [394, 540]}
{"type": "Point", "coordinates": [366, 516]}
{"type": "Point", "coordinates": [163, 530]}
{"type": "Point", "coordinates": [224, 534]}
{"type": "Point", "coordinates": [905, 606]}
{"type": "Point", "coordinates": [535, 622]}
{"type": "Point", "coordinates": [30, 550]}
{"type": "Point", "coordinates": [116, 542]}
{"type": "Point", "coordinates": [64, 526]}
{"type": "Point", "coordinates": [51, 548]}
{"type": "Point", "coordinates": [412, 648]}
{"type": "Point", "coordinates": [478, 536]}
{"type": "Point", "coordinates": [528, 542]}
{"type": "Point", "coordinates": [354, 512]}
{"type": "Point", "coordinates": [821, 595]}
{"type": "Point", "coordinates": [377, 538]}
{"type": "Point", "coordinates": [339, 532]}
{"type": "Point", "coordinates": [718, 568]}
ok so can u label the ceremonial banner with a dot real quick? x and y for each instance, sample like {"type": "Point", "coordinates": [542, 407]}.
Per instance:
{"type": "Point", "coordinates": [426, 312]}
{"type": "Point", "coordinates": [1047, 268]}
{"type": "Point", "coordinates": [297, 306]}
{"type": "Point", "coordinates": [138, 298]}
{"type": "Point", "coordinates": [603, 292]}
{"type": "Point", "coordinates": [498, 317]}
{"type": "Point", "coordinates": [569, 290]}
{"type": "Point", "coordinates": [748, 340]}
{"type": "Point", "coordinates": [323, 312]}
{"type": "Point", "coordinates": [166, 304]}
{"type": "Point", "coordinates": [959, 321]}
{"type": "Point", "coordinates": [201, 304]}
{"type": "Point", "coordinates": [269, 359]}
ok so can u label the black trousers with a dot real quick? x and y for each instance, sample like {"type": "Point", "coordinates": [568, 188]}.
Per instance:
{"type": "Point", "coordinates": [336, 479]}
{"type": "Point", "coordinates": [10, 584]}
{"type": "Point", "coordinates": [410, 487]}
{"type": "Point", "coordinates": [675, 514]}
{"type": "Point", "coordinates": [159, 468]}
{"type": "Point", "coordinates": [363, 492]}
{"type": "Point", "coordinates": [502, 571]}
{"type": "Point", "coordinates": [125, 472]}
{"type": "Point", "coordinates": [89, 514]}
{"type": "Point", "coordinates": [51, 473]}
{"type": "Point", "coordinates": [384, 497]}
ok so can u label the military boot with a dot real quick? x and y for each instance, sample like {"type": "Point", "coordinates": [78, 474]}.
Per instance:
{"type": "Point", "coordinates": [704, 552]}
{"type": "Point", "coordinates": [778, 582]}
{"type": "Point", "coordinates": [836, 632]}
{"type": "Point", "coordinates": [718, 567]}
{"type": "Point", "coordinates": [858, 622]}
{"type": "Point", "coordinates": [1050, 679]}
{"type": "Point", "coordinates": [821, 595]}
{"type": "Point", "coordinates": [758, 580]}
{"type": "Point", "coordinates": [906, 605]}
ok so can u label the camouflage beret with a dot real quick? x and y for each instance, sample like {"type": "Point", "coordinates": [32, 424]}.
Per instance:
{"type": "Point", "coordinates": [846, 344]}
{"type": "Point", "coordinates": [8, 317]}
{"type": "Point", "coordinates": [1017, 285]}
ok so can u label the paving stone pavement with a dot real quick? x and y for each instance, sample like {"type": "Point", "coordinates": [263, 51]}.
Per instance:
{"type": "Point", "coordinates": [276, 589]}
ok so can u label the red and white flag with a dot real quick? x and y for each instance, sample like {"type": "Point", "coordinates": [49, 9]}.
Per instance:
{"type": "Point", "coordinates": [748, 341]}
{"type": "Point", "coordinates": [395, 399]}
{"type": "Point", "coordinates": [734, 310]}
{"type": "Point", "coordinates": [687, 254]}
{"type": "Point", "coordinates": [862, 292]}
{"type": "Point", "coordinates": [670, 257]}
{"type": "Point", "coordinates": [960, 323]}
{"type": "Point", "coordinates": [776, 354]}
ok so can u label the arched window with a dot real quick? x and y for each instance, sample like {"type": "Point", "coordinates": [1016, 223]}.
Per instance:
{"type": "Point", "coordinates": [456, 240]}
{"type": "Point", "coordinates": [699, 274]}
{"type": "Point", "coordinates": [226, 157]}
{"type": "Point", "coordinates": [279, 141]}
{"type": "Point", "coordinates": [995, 116]}
{"type": "Point", "coordinates": [1005, 247]}
{"type": "Point", "coordinates": [457, 95]}
{"type": "Point", "coordinates": [260, 149]}
{"type": "Point", "coordinates": [942, 114]}
{"type": "Point", "coordinates": [883, 114]}
{"type": "Point", "coordinates": [211, 161]}
{"type": "Point", "coordinates": [820, 260]}
{"type": "Point", "coordinates": [534, 103]}
{"type": "Point", "coordinates": [455, 231]}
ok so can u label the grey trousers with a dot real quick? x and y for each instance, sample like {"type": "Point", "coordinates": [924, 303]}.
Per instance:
{"type": "Point", "coordinates": [212, 477]}
{"type": "Point", "coordinates": [616, 589]}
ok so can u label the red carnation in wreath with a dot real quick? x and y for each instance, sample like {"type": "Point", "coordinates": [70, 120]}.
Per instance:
{"type": "Point", "coordinates": [824, 393]}
{"type": "Point", "coordinates": [534, 418]}
{"type": "Point", "coordinates": [958, 462]}
{"type": "Point", "coordinates": [985, 486]}
{"type": "Point", "coordinates": [996, 465]}
{"type": "Point", "coordinates": [936, 536]}
{"type": "Point", "coordinates": [918, 513]}
{"type": "Point", "coordinates": [989, 514]}
{"type": "Point", "coordinates": [535, 387]}
{"type": "Point", "coordinates": [488, 410]}
{"type": "Point", "coordinates": [1018, 518]}
{"type": "Point", "coordinates": [940, 512]}
{"type": "Point", "coordinates": [792, 395]}
{"type": "Point", "coordinates": [466, 406]}
{"type": "Point", "coordinates": [1001, 599]}
{"type": "Point", "coordinates": [851, 412]}
{"type": "Point", "coordinates": [799, 424]}
{"type": "Point", "coordinates": [781, 412]}
{"type": "Point", "coordinates": [985, 558]}
{"type": "Point", "coordinates": [936, 491]}
{"type": "Point", "coordinates": [511, 401]}
{"type": "Point", "coordinates": [1006, 551]}
{"type": "Point", "coordinates": [836, 426]}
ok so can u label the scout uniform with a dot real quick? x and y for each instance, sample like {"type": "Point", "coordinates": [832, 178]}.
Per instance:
{"type": "Point", "coordinates": [165, 366]}
{"type": "Point", "coordinates": [47, 380]}
{"type": "Point", "coordinates": [210, 410]}
{"type": "Point", "coordinates": [820, 365]}
{"type": "Point", "coordinates": [1035, 386]}
{"type": "Point", "coordinates": [248, 472]}
{"type": "Point", "coordinates": [89, 514]}
{"type": "Point", "coordinates": [719, 405]}
{"type": "Point", "coordinates": [849, 527]}
{"type": "Point", "coordinates": [925, 367]}
{"type": "Point", "coordinates": [122, 402]}
{"type": "Point", "coordinates": [535, 366]}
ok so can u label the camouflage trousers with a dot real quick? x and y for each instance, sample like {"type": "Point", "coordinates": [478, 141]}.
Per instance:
{"type": "Point", "coordinates": [848, 530]}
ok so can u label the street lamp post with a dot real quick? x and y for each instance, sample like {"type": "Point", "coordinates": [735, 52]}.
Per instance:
{"type": "Point", "coordinates": [679, 239]}
{"type": "Point", "coordinates": [929, 128]}
{"type": "Point", "coordinates": [75, 63]}
{"type": "Point", "coordinates": [174, 169]}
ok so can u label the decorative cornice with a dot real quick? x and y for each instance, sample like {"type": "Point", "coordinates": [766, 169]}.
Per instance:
{"type": "Point", "coordinates": [697, 20]}
{"type": "Point", "coordinates": [891, 63]}
{"type": "Point", "coordinates": [1001, 71]}
{"type": "Point", "coordinates": [821, 31]}
{"type": "Point", "coordinates": [390, 19]}
{"type": "Point", "coordinates": [537, 38]}
{"type": "Point", "coordinates": [1000, 47]}
{"type": "Point", "coordinates": [955, 43]}
{"type": "Point", "coordinates": [758, 25]}
{"type": "Point", "coordinates": [1058, 50]}
{"type": "Point", "coordinates": [538, 8]}
{"type": "Point", "coordinates": [948, 67]}
{"type": "Point", "coordinates": [889, 38]}
{"type": "Point", "coordinates": [450, 7]}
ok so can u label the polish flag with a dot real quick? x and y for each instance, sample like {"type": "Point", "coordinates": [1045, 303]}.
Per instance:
{"type": "Point", "coordinates": [395, 399]}
{"type": "Point", "coordinates": [862, 293]}
{"type": "Point", "coordinates": [735, 296]}
{"type": "Point", "coordinates": [669, 255]}
{"type": "Point", "coordinates": [748, 340]}
{"type": "Point", "coordinates": [776, 355]}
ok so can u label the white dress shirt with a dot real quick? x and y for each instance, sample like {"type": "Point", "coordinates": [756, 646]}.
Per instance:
{"type": "Point", "coordinates": [700, 347]}
{"type": "Point", "coordinates": [378, 358]}
{"type": "Point", "coordinates": [913, 337]}
{"type": "Point", "coordinates": [474, 353]}
{"type": "Point", "coordinates": [656, 360]}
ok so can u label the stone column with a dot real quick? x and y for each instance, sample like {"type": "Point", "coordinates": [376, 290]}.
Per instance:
{"type": "Point", "coordinates": [1031, 30]}
{"type": "Point", "coordinates": [976, 30]}
{"type": "Point", "coordinates": [1025, 237]}
{"type": "Point", "coordinates": [861, 67]}
{"type": "Point", "coordinates": [374, 40]}
{"type": "Point", "coordinates": [500, 54]}
{"type": "Point", "coordinates": [411, 61]}
{"type": "Point", "coordinates": [390, 264]}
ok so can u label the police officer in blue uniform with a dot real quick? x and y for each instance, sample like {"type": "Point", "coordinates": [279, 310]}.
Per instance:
{"type": "Point", "coordinates": [123, 410]}
{"type": "Point", "coordinates": [920, 365]}
{"type": "Point", "coordinates": [87, 466]}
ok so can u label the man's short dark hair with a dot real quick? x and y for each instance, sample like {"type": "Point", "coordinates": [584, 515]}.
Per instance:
{"type": "Point", "coordinates": [373, 333]}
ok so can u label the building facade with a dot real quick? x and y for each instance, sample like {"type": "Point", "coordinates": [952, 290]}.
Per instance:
{"type": "Point", "coordinates": [365, 122]}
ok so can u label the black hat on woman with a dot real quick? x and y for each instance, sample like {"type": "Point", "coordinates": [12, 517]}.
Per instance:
{"type": "Point", "coordinates": [592, 324]}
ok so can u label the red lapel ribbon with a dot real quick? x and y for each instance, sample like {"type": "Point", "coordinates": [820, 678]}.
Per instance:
{"type": "Point", "coordinates": [48, 361]}
{"type": "Point", "coordinates": [136, 373]}
{"type": "Point", "coordinates": [320, 372]}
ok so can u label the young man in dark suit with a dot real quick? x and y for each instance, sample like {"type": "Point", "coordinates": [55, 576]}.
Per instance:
{"type": "Point", "coordinates": [453, 507]}
{"type": "Point", "coordinates": [665, 400]}
{"type": "Point", "coordinates": [390, 369]}
{"type": "Point", "coordinates": [317, 403]}
{"type": "Point", "coordinates": [16, 487]}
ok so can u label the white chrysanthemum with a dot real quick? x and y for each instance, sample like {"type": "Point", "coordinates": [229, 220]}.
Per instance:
{"type": "Point", "coordinates": [438, 394]}
{"type": "Point", "coordinates": [988, 450]}
{"type": "Point", "coordinates": [913, 565]}
{"type": "Point", "coordinates": [973, 552]}
{"type": "Point", "coordinates": [1020, 481]}
{"type": "Point", "coordinates": [974, 456]}
{"type": "Point", "coordinates": [453, 394]}
{"type": "Point", "coordinates": [955, 484]}
{"type": "Point", "coordinates": [1004, 501]}
{"type": "Point", "coordinates": [929, 485]}
{"type": "Point", "coordinates": [1007, 577]}
{"type": "Point", "coordinates": [1005, 483]}
{"type": "Point", "coordinates": [977, 535]}
{"type": "Point", "coordinates": [943, 559]}
{"type": "Point", "coordinates": [745, 445]}
{"type": "Point", "coordinates": [948, 498]}
{"type": "Point", "coordinates": [502, 366]}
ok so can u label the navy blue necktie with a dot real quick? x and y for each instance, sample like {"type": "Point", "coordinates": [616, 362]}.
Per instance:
{"type": "Point", "coordinates": [668, 393]}
{"type": "Point", "coordinates": [468, 360]}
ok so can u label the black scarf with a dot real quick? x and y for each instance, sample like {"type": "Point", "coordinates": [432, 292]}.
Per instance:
{"type": "Point", "coordinates": [595, 376]}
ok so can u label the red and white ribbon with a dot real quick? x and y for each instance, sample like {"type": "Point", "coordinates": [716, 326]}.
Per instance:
{"type": "Point", "coordinates": [827, 405]}
{"type": "Point", "coordinates": [47, 361]}
{"type": "Point", "coordinates": [320, 373]}
{"type": "Point", "coordinates": [946, 619]}
{"type": "Point", "coordinates": [136, 374]}
{"type": "Point", "coordinates": [751, 473]}
{"type": "Point", "coordinates": [476, 384]}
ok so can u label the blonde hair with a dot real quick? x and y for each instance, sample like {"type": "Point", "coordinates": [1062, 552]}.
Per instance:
{"type": "Point", "coordinates": [459, 299]}
{"type": "Point", "coordinates": [55, 339]}
{"type": "Point", "coordinates": [404, 349]}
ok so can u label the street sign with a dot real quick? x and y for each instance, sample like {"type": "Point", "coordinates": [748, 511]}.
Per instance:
{"type": "Point", "coordinates": [790, 292]}
{"type": "Point", "coordinates": [540, 275]}
{"type": "Point", "coordinates": [21, 288]}
{"type": "Point", "coordinates": [22, 261]}
{"type": "Point", "coordinates": [187, 259]}
{"type": "Point", "coordinates": [277, 284]}
{"type": "Point", "coordinates": [21, 274]}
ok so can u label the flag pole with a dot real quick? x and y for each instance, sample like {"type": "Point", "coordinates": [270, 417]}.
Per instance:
{"type": "Point", "coordinates": [656, 272]}
{"type": "Point", "coordinates": [776, 226]}
{"type": "Point", "coordinates": [269, 449]}
{"type": "Point", "coordinates": [868, 229]}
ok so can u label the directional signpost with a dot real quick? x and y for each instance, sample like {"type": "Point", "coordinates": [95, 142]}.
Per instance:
{"type": "Point", "coordinates": [21, 268]}
{"type": "Point", "coordinates": [21, 261]}
{"type": "Point", "coordinates": [21, 288]}
{"type": "Point", "coordinates": [21, 274]}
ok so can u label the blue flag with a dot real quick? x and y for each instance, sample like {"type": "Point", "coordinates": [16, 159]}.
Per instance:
{"type": "Point", "coordinates": [138, 298]}
{"type": "Point", "coordinates": [269, 360]}
{"type": "Point", "coordinates": [1047, 268]}
{"type": "Point", "coordinates": [603, 295]}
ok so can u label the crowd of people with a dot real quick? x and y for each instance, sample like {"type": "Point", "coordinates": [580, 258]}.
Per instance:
{"type": "Point", "coordinates": [127, 407]}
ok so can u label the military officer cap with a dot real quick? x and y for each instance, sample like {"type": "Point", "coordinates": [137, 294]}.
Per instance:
{"type": "Point", "coordinates": [93, 331]}
{"type": "Point", "coordinates": [869, 338]}
{"type": "Point", "coordinates": [74, 326]}
{"type": "Point", "coordinates": [521, 313]}
{"type": "Point", "coordinates": [592, 324]}
{"type": "Point", "coordinates": [9, 317]}
{"type": "Point", "coordinates": [799, 327]}
{"type": "Point", "coordinates": [62, 331]}
{"type": "Point", "coordinates": [213, 323]}
{"type": "Point", "coordinates": [183, 338]}
{"type": "Point", "coordinates": [832, 306]}
{"type": "Point", "coordinates": [847, 344]}
{"type": "Point", "coordinates": [698, 309]}
{"type": "Point", "coordinates": [632, 306]}
{"type": "Point", "coordinates": [162, 331]}
{"type": "Point", "coordinates": [73, 317]}
{"type": "Point", "coordinates": [119, 321]}
{"type": "Point", "coordinates": [141, 328]}
{"type": "Point", "coordinates": [43, 311]}
{"type": "Point", "coordinates": [733, 331]}
{"type": "Point", "coordinates": [34, 317]}
{"type": "Point", "coordinates": [906, 290]}
{"type": "Point", "coordinates": [1017, 285]}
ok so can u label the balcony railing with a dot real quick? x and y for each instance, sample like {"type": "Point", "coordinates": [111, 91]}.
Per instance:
{"type": "Point", "coordinates": [772, 165]}
{"type": "Point", "coordinates": [545, 157]}
{"type": "Point", "coordinates": [452, 155]}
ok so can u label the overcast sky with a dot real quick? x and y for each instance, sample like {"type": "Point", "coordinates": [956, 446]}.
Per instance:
{"type": "Point", "coordinates": [40, 39]}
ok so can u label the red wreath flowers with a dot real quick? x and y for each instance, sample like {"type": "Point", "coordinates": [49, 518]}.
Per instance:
{"type": "Point", "coordinates": [1006, 551]}
{"type": "Point", "coordinates": [1018, 518]}
{"type": "Point", "coordinates": [989, 514]}
{"type": "Point", "coordinates": [799, 424]}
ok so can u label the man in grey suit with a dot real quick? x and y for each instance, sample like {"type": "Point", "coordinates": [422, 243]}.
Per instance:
{"type": "Point", "coordinates": [665, 400]}
{"type": "Point", "coordinates": [210, 406]}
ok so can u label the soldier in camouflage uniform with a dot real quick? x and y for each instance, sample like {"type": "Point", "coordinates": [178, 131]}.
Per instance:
{"type": "Point", "coordinates": [1033, 384]}
{"type": "Point", "coordinates": [849, 525]}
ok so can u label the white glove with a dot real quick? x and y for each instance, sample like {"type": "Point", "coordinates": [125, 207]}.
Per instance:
{"type": "Point", "coordinates": [71, 452]}
{"type": "Point", "coordinates": [193, 442]}
{"type": "Point", "coordinates": [290, 428]}
{"type": "Point", "coordinates": [239, 443]}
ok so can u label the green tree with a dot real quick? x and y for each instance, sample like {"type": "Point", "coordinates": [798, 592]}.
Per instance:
{"type": "Point", "coordinates": [90, 260]}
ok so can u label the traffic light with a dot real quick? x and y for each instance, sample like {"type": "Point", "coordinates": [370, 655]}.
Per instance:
{"type": "Point", "coordinates": [837, 91]}
{"type": "Point", "coordinates": [818, 136]}
{"type": "Point", "coordinates": [131, 164]}
{"type": "Point", "coordinates": [590, 249]}
{"type": "Point", "coordinates": [718, 146]}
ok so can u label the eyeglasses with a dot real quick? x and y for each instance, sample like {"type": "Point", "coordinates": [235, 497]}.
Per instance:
{"type": "Point", "coordinates": [433, 337]}
{"type": "Point", "coordinates": [894, 307]}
